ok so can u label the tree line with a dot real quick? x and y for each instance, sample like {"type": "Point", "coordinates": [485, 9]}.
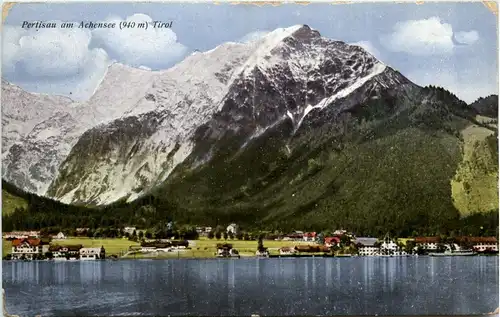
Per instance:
{"type": "Point", "coordinates": [156, 212]}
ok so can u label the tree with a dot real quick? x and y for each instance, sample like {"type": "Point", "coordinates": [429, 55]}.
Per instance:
{"type": "Point", "coordinates": [231, 235]}
{"type": "Point", "coordinates": [218, 235]}
{"type": "Point", "coordinates": [320, 238]}
{"type": "Point", "coordinates": [239, 236]}
{"type": "Point", "coordinates": [345, 240]}
{"type": "Point", "coordinates": [409, 246]}
{"type": "Point", "coordinates": [149, 235]}
{"type": "Point", "coordinates": [226, 235]}
{"type": "Point", "coordinates": [211, 234]}
{"type": "Point", "coordinates": [141, 235]}
{"type": "Point", "coordinates": [49, 255]}
{"type": "Point", "coordinates": [260, 244]}
{"type": "Point", "coordinates": [246, 236]}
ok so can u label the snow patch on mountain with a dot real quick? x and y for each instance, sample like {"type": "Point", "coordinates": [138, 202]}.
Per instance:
{"type": "Point", "coordinates": [261, 56]}
{"type": "Point", "coordinates": [376, 70]}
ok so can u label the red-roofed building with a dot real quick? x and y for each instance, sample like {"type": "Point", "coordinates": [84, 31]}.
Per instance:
{"type": "Point", "coordinates": [332, 241]}
{"type": "Point", "coordinates": [427, 243]}
{"type": "Point", "coordinates": [480, 244]}
{"type": "Point", "coordinates": [310, 236]}
{"type": "Point", "coordinates": [28, 249]}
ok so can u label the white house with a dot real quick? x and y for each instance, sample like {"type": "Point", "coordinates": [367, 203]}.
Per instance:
{"type": "Point", "coordinates": [310, 236]}
{"type": "Point", "coordinates": [26, 249]}
{"type": "Point", "coordinates": [129, 230]}
{"type": "Point", "coordinates": [232, 228]}
{"type": "Point", "coordinates": [367, 246]}
{"type": "Point", "coordinates": [427, 243]}
{"type": "Point", "coordinates": [60, 236]}
{"type": "Point", "coordinates": [391, 248]}
{"type": "Point", "coordinates": [92, 253]}
{"type": "Point", "coordinates": [64, 252]}
{"type": "Point", "coordinates": [340, 232]}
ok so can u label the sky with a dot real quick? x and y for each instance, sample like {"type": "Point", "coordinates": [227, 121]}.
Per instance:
{"type": "Point", "coordinates": [452, 45]}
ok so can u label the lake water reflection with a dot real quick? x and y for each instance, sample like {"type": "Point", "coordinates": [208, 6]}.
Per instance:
{"type": "Point", "coordinates": [311, 286]}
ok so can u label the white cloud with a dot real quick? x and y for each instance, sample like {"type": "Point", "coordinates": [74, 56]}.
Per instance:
{"type": "Point", "coordinates": [73, 61]}
{"type": "Point", "coordinates": [52, 60]}
{"type": "Point", "coordinates": [425, 37]}
{"type": "Point", "coordinates": [253, 36]}
{"type": "Point", "coordinates": [369, 47]}
{"type": "Point", "coordinates": [468, 38]}
{"type": "Point", "coordinates": [152, 47]}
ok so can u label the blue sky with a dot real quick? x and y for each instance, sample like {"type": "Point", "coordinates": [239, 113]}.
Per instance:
{"type": "Point", "coordinates": [453, 45]}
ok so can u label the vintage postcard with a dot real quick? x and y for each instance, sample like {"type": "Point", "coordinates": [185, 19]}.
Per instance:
{"type": "Point", "coordinates": [270, 159]}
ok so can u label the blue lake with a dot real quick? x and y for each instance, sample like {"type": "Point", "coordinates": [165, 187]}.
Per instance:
{"type": "Point", "coordinates": [300, 286]}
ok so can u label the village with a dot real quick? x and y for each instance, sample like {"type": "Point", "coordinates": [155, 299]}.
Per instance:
{"type": "Point", "coordinates": [233, 243]}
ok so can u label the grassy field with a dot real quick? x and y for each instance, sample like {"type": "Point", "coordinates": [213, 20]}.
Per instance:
{"type": "Point", "coordinates": [206, 248]}
{"type": "Point", "coordinates": [203, 248]}
{"type": "Point", "coordinates": [6, 247]}
{"type": "Point", "coordinates": [11, 202]}
{"type": "Point", "coordinates": [475, 185]}
{"type": "Point", "coordinates": [112, 246]}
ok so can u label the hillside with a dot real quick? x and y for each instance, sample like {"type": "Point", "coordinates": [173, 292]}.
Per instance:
{"type": "Point", "coordinates": [12, 202]}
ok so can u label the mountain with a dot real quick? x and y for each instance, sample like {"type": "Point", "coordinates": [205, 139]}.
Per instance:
{"type": "Point", "coordinates": [284, 76]}
{"type": "Point", "coordinates": [22, 111]}
{"type": "Point", "coordinates": [33, 162]}
{"type": "Point", "coordinates": [487, 107]}
{"type": "Point", "coordinates": [292, 130]}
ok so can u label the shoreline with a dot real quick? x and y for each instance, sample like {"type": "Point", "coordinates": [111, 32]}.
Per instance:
{"type": "Point", "coordinates": [235, 258]}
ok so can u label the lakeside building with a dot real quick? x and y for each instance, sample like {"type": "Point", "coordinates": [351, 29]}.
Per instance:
{"type": "Point", "coordinates": [310, 236]}
{"type": "Point", "coordinates": [479, 244]}
{"type": "Point", "coordinates": [65, 252]}
{"type": "Point", "coordinates": [92, 253]}
{"type": "Point", "coordinates": [28, 248]}
{"type": "Point", "coordinates": [391, 248]}
{"type": "Point", "coordinates": [165, 246]}
{"type": "Point", "coordinates": [225, 250]}
{"type": "Point", "coordinates": [427, 243]}
{"type": "Point", "coordinates": [367, 246]}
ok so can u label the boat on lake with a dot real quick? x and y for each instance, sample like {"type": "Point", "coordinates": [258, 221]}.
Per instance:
{"type": "Point", "coordinates": [454, 253]}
